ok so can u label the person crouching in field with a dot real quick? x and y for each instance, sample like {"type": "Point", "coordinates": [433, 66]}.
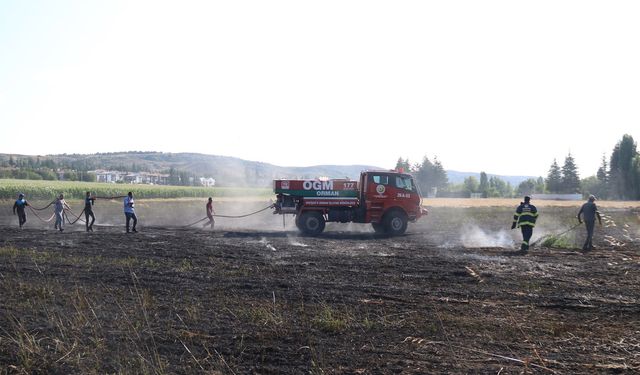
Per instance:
{"type": "Point", "coordinates": [88, 211]}
{"type": "Point", "coordinates": [130, 212]}
{"type": "Point", "coordinates": [59, 206]}
{"type": "Point", "coordinates": [590, 212]}
{"type": "Point", "coordinates": [20, 205]}
{"type": "Point", "coordinates": [525, 219]}
{"type": "Point", "coordinates": [210, 213]}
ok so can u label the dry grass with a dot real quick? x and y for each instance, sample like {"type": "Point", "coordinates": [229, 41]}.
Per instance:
{"type": "Point", "coordinates": [513, 202]}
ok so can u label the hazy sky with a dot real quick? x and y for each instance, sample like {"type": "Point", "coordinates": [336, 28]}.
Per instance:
{"type": "Point", "coordinates": [497, 86]}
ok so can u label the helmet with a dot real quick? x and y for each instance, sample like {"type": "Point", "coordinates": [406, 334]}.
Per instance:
{"type": "Point", "coordinates": [21, 195]}
{"type": "Point", "coordinates": [592, 198]}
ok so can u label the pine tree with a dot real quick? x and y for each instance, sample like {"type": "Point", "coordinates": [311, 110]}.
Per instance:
{"type": "Point", "coordinates": [440, 179]}
{"type": "Point", "coordinates": [570, 178]}
{"type": "Point", "coordinates": [539, 185]}
{"type": "Point", "coordinates": [603, 174]}
{"type": "Point", "coordinates": [621, 171]}
{"type": "Point", "coordinates": [429, 175]}
{"type": "Point", "coordinates": [484, 185]}
{"type": "Point", "coordinates": [423, 175]}
{"type": "Point", "coordinates": [554, 178]}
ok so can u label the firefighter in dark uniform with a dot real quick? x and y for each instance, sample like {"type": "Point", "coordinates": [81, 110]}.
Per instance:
{"type": "Point", "coordinates": [590, 212]}
{"type": "Point", "coordinates": [525, 219]}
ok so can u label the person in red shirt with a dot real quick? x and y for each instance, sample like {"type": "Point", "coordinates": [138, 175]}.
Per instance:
{"type": "Point", "coordinates": [210, 213]}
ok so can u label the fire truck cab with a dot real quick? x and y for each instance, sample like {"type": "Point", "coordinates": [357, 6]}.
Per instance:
{"type": "Point", "coordinates": [388, 200]}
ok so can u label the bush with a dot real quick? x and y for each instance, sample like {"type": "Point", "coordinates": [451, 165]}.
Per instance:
{"type": "Point", "coordinates": [562, 242]}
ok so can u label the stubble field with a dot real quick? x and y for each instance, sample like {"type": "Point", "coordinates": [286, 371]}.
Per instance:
{"type": "Point", "coordinates": [451, 296]}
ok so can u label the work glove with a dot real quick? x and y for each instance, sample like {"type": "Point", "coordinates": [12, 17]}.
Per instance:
{"type": "Point", "coordinates": [513, 226]}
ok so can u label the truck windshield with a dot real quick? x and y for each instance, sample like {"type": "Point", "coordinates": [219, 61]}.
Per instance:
{"type": "Point", "coordinates": [384, 180]}
{"type": "Point", "coordinates": [404, 183]}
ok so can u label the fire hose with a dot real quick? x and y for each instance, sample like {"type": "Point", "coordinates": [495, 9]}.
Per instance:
{"type": "Point", "coordinates": [78, 217]}
{"type": "Point", "coordinates": [33, 210]}
{"type": "Point", "coordinates": [555, 235]}
{"type": "Point", "coordinates": [230, 216]}
{"type": "Point", "coordinates": [43, 208]}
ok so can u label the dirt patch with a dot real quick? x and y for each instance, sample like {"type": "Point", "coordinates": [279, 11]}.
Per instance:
{"type": "Point", "coordinates": [232, 301]}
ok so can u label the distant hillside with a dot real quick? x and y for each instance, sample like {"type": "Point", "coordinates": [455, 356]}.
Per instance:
{"type": "Point", "coordinates": [228, 171]}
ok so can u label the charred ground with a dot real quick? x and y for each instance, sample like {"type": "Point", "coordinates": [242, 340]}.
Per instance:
{"type": "Point", "coordinates": [177, 300]}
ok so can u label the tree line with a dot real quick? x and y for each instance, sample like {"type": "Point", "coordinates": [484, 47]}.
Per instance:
{"type": "Point", "coordinates": [42, 168]}
{"type": "Point", "coordinates": [432, 180]}
{"type": "Point", "coordinates": [616, 178]}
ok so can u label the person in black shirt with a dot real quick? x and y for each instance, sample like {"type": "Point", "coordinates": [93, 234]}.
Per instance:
{"type": "Point", "coordinates": [589, 210]}
{"type": "Point", "coordinates": [88, 211]}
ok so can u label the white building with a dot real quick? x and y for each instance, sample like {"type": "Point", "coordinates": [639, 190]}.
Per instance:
{"type": "Point", "coordinates": [208, 182]}
{"type": "Point", "coordinates": [131, 177]}
{"type": "Point", "coordinates": [108, 176]}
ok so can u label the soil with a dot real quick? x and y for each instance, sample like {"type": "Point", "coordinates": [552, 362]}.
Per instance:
{"type": "Point", "coordinates": [453, 295]}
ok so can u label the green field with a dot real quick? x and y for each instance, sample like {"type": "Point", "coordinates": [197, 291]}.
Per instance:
{"type": "Point", "coordinates": [34, 189]}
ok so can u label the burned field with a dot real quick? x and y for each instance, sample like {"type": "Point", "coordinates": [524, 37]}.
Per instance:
{"type": "Point", "coordinates": [451, 296]}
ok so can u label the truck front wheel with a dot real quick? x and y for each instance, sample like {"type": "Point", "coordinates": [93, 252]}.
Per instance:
{"type": "Point", "coordinates": [311, 223]}
{"type": "Point", "coordinates": [395, 223]}
{"type": "Point", "coordinates": [378, 228]}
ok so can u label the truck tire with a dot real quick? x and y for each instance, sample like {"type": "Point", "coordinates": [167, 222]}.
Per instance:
{"type": "Point", "coordinates": [378, 228]}
{"type": "Point", "coordinates": [297, 221]}
{"type": "Point", "coordinates": [395, 223]}
{"type": "Point", "coordinates": [311, 223]}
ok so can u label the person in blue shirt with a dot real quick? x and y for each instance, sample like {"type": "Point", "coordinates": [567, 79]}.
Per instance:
{"type": "Point", "coordinates": [88, 211]}
{"type": "Point", "coordinates": [130, 212]}
{"type": "Point", "coordinates": [525, 219]}
{"type": "Point", "coordinates": [20, 206]}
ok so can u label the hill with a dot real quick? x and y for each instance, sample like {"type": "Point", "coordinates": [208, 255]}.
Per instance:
{"type": "Point", "coordinates": [227, 170]}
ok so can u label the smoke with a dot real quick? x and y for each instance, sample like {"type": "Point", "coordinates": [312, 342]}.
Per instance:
{"type": "Point", "coordinates": [474, 236]}
{"type": "Point", "coordinates": [267, 244]}
{"type": "Point", "coordinates": [349, 227]}
{"type": "Point", "coordinates": [295, 242]}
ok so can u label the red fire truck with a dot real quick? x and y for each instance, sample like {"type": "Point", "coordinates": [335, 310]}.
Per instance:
{"type": "Point", "coordinates": [386, 199]}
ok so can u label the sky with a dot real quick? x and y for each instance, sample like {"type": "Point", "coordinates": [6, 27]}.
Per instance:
{"type": "Point", "coordinates": [503, 87]}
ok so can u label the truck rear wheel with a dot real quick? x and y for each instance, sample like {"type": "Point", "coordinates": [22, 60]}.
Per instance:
{"type": "Point", "coordinates": [311, 223]}
{"type": "Point", "coordinates": [395, 223]}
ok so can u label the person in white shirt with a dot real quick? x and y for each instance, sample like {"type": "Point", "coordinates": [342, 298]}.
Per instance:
{"type": "Point", "coordinates": [59, 206]}
{"type": "Point", "coordinates": [130, 212]}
